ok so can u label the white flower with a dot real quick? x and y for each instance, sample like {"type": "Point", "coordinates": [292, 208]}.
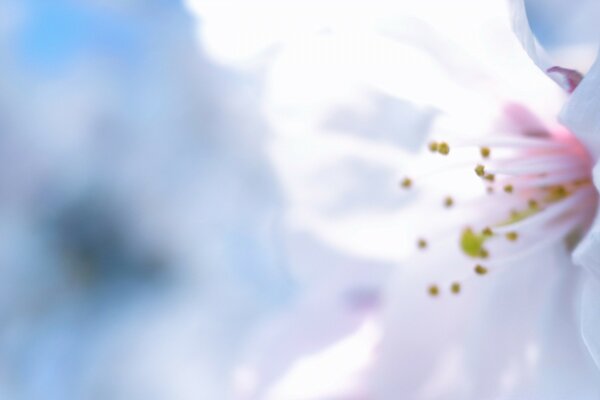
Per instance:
{"type": "Point", "coordinates": [515, 332]}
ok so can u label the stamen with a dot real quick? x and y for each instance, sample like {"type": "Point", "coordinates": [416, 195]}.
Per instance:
{"type": "Point", "coordinates": [529, 143]}
{"type": "Point", "coordinates": [480, 170]}
{"type": "Point", "coordinates": [489, 177]}
{"type": "Point", "coordinates": [552, 235]}
{"type": "Point", "coordinates": [480, 270]}
{"type": "Point", "coordinates": [433, 290]}
{"type": "Point", "coordinates": [553, 195]}
{"type": "Point", "coordinates": [556, 193]}
{"type": "Point", "coordinates": [443, 148]}
{"type": "Point", "coordinates": [485, 152]}
{"type": "Point", "coordinates": [536, 217]}
{"type": "Point", "coordinates": [448, 202]}
{"type": "Point", "coordinates": [554, 179]}
{"type": "Point", "coordinates": [512, 236]}
{"type": "Point", "coordinates": [533, 204]}
{"type": "Point", "coordinates": [406, 183]}
{"type": "Point", "coordinates": [455, 288]}
{"type": "Point", "coordinates": [533, 169]}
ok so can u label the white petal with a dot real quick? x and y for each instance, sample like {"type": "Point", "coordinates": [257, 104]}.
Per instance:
{"type": "Point", "coordinates": [504, 334]}
{"type": "Point", "coordinates": [581, 114]}
{"type": "Point", "coordinates": [481, 344]}
{"type": "Point", "coordinates": [317, 349]}
{"type": "Point", "coordinates": [504, 69]}
{"type": "Point", "coordinates": [568, 79]}
{"type": "Point", "coordinates": [590, 317]}
{"type": "Point", "coordinates": [321, 345]}
{"type": "Point", "coordinates": [523, 32]}
{"type": "Point", "coordinates": [587, 253]}
{"type": "Point", "coordinates": [564, 366]}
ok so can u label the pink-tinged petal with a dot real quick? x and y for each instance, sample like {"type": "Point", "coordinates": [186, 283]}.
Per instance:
{"type": "Point", "coordinates": [570, 78]}
{"type": "Point", "coordinates": [581, 114]}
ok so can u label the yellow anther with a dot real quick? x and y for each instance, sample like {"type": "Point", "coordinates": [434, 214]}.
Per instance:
{"type": "Point", "coordinates": [443, 148]}
{"type": "Point", "coordinates": [455, 288]}
{"type": "Point", "coordinates": [489, 177]}
{"type": "Point", "coordinates": [433, 290]}
{"type": "Point", "coordinates": [483, 253]}
{"type": "Point", "coordinates": [581, 182]}
{"type": "Point", "coordinates": [406, 183]}
{"type": "Point", "coordinates": [556, 193]}
{"type": "Point", "coordinates": [508, 188]}
{"type": "Point", "coordinates": [480, 170]}
{"type": "Point", "coordinates": [433, 146]}
{"type": "Point", "coordinates": [422, 243]}
{"type": "Point", "coordinates": [487, 231]}
{"type": "Point", "coordinates": [533, 204]}
{"type": "Point", "coordinates": [485, 152]}
{"type": "Point", "coordinates": [448, 201]}
{"type": "Point", "coordinates": [512, 236]}
{"type": "Point", "coordinates": [480, 270]}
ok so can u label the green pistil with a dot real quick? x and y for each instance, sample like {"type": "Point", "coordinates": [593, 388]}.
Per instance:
{"type": "Point", "coordinates": [472, 243]}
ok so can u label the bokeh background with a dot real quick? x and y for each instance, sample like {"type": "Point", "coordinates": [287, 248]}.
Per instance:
{"type": "Point", "coordinates": [153, 213]}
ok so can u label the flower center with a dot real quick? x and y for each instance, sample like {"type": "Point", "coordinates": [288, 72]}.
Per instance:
{"type": "Point", "coordinates": [538, 190]}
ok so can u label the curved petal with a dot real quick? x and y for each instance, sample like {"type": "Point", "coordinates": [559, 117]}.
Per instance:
{"type": "Point", "coordinates": [581, 113]}
{"type": "Point", "coordinates": [564, 366]}
{"type": "Point", "coordinates": [568, 79]}
{"type": "Point", "coordinates": [587, 254]}
{"type": "Point", "coordinates": [522, 29]}
{"type": "Point", "coordinates": [590, 317]}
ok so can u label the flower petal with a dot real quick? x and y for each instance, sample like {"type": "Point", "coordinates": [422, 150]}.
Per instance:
{"type": "Point", "coordinates": [582, 111]}
{"type": "Point", "coordinates": [564, 366]}
{"type": "Point", "coordinates": [321, 344]}
{"type": "Point", "coordinates": [568, 79]}
{"type": "Point", "coordinates": [590, 318]}
{"type": "Point", "coordinates": [522, 29]}
{"type": "Point", "coordinates": [587, 253]}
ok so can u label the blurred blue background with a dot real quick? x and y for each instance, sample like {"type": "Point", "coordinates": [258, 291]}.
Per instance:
{"type": "Point", "coordinates": [138, 219]}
